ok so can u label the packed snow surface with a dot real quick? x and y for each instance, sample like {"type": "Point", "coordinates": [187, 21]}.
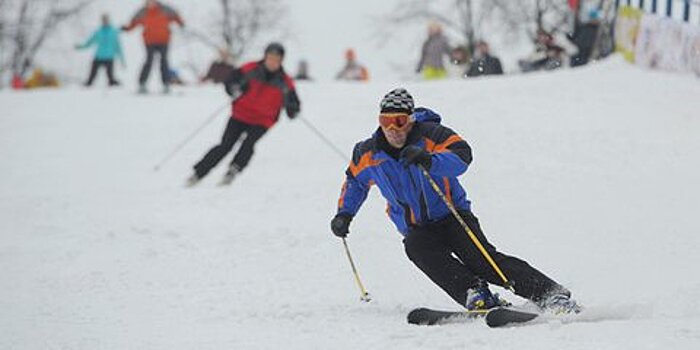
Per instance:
{"type": "Point", "coordinates": [591, 175]}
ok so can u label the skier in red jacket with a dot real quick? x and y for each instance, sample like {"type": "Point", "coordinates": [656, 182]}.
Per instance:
{"type": "Point", "coordinates": [259, 90]}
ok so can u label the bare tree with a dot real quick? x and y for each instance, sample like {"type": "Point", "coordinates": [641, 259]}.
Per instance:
{"type": "Point", "coordinates": [457, 16]}
{"type": "Point", "coordinates": [239, 24]}
{"type": "Point", "coordinates": [3, 40]}
{"type": "Point", "coordinates": [530, 16]}
{"type": "Point", "coordinates": [467, 17]}
{"type": "Point", "coordinates": [24, 32]}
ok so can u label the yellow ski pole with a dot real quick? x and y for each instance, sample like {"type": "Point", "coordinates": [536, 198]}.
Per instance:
{"type": "Point", "coordinates": [507, 283]}
{"type": "Point", "coordinates": [364, 295]}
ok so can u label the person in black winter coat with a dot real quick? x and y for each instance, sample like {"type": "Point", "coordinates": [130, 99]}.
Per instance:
{"type": "Point", "coordinates": [484, 63]}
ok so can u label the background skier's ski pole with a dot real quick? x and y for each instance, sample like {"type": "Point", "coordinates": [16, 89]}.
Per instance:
{"type": "Point", "coordinates": [364, 295]}
{"type": "Point", "coordinates": [471, 234]}
{"type": "Point", "coordinates": [190, 137]}
{"type": "Point", "coordinates": [323, 138]}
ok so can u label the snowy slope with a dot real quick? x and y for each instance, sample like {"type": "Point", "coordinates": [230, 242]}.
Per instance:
{"type": "Point", "coordinates": [590, 174]}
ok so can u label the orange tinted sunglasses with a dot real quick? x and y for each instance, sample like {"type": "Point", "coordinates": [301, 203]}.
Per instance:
{"type": "Point", "coordinates": [395, 120]}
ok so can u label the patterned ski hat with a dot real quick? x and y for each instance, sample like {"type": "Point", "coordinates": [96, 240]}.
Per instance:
{"type": "Point", "coordinates": [397, 101]}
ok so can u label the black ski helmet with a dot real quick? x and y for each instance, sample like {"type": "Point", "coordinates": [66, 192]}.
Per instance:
{"type": "Point", "coordinates": [275, 48]}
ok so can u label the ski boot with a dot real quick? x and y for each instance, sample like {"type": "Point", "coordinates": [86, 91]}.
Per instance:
{"type": "Point", "coordinates": [560, 304]}
{"type": "Point", "coordinates": [233, 170]}
{"type": "Point", "coordinates": [142, 90]}
{"type": "Point", "coordinates": [480, 298]}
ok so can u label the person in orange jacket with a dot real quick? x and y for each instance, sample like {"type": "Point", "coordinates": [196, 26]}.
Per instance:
{"type": "Point", "coordinates": [352, 70]}
{"type": "Point", "coordinates": [155, 18]}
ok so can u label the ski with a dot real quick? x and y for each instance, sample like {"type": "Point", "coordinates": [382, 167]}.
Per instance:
{"type": "Point", "coordinates": [496, 317]}
{"type": "Point", "coordinates": [428, 317]}
{"type": "Point", "coordinates": [503, 316]}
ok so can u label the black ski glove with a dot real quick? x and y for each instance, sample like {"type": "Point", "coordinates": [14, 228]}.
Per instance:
{"type": "Point", "coordinates": [340, 225]}
{"type": "Point", "coordinates": [413, 154]}
{"type": "Point", "coordinates": [291, 103]}
{"type": "Point", "coordinates": [292, 112]}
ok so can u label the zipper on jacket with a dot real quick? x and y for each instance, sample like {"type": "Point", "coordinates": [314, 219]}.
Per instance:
{"type": "Point", "coordinates": [425, 212]}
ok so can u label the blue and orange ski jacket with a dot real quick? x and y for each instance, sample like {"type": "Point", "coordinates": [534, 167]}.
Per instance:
{"type": "Point", "coordinates": [411, 201]}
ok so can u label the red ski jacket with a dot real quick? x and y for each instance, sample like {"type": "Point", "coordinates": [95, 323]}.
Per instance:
{"type": "Point", "coordinates": [263, 94]}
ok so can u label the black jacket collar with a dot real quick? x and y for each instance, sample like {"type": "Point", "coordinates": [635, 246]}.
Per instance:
{"type": "Point", "coordinates": [381, 144]}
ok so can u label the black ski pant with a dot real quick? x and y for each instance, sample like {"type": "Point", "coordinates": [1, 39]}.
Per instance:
{"type": "Point", "coordinates": [234, 130]}
{"type": "Point", "coordinates": [162, 51]}
{"type": "Point", "coordinates": [109, 67]}
{"type": "Point", "coordinates": [446, 254]}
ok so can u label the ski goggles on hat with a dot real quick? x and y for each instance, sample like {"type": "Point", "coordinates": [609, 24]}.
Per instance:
{"type": "Point", "coordinates": [395, 120]}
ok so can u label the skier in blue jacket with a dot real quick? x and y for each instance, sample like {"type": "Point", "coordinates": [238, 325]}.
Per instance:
{"type": "Point", "coordinates": [433, 238]}
{"type": "Point", "coordinates": [108, 48]}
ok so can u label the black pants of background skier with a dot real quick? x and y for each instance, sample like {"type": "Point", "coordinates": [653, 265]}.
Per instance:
{"type": "Point", "coordinates": [162, 51]}
{"type": "Point", "coordinates": [444, 252]}
{"type": "Point", "coordinates": [234, 130]}
{"type": "Point", "coordinates": [109, 67]}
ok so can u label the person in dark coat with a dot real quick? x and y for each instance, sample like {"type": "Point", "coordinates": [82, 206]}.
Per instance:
{"type": "Point", "coordinates": [484, 63]}
{"type": "Point", "coordinates": [585, 36]}
{"type": "Point", "coordinates": [303, 71]}
{"type": "Point", "coordinates": [220, 69]}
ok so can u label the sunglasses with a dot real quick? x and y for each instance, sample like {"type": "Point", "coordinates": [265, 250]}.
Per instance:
{"type": "Point", "coordinates": [394, 120]}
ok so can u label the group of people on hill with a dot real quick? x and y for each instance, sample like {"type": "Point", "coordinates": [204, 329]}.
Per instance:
{"type": "Point", "coordinates": [551, 52]}
{"type": "Point", "coordinates": [436, 48]}
{"type": "Point", "coordinates": [155, 18]}
{"type": "Point", "coordinates": [431, 64]}
{"type": "Point", "coordinates": [437, 60]}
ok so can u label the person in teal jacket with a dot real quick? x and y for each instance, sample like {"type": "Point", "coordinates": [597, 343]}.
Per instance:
{"type": "Point", "coordinates": [108, 48]}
